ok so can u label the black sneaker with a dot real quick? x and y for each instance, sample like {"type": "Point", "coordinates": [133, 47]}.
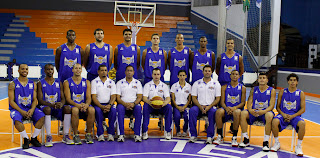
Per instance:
{"type": "Point", "coordinates": [265, 146]}
{"type": "Point", "coordinates": [26, 143]}
{"type": "Point", "coordinates": [35, 142]}
{"type": "Point", "coordinates": [245, 143]}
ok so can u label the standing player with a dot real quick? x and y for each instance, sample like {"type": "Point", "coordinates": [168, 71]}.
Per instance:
{"type": "Point", "coordinates": [151, 89]}
{"type": "Point", "coordinates": [233, 98]}
{"type": "Point", "coordinates": [129, 95]}
{"type": "Point", "coordinates": [260, 105]}
{"type": "Point", "coordinates": [52, 102]}
{"type": "Point", "coordinates": [22, 94]}
{"type": "Point", "coordinates": [78, 94]}
{"type": "Point", "coordinates": [178, 59]}
{"type": "Point", "coordinates": [154, 57]}
{"type": "Point", "coordinates": [200, 58]}
{"type": "Point", "coordinates": [126, 54]}
{"type": "Point", "coordinates": [291, 105]}
{"type": "Point", "coordinates": [205, 96]}
{"type": "Point", "coordinates": [181, 99]}
{"type": "Point", "coordinates": [67, 55]}
{"type": "Point", "coordinates": [97, 53]}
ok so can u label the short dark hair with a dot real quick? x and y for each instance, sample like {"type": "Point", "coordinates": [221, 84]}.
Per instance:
{"type": "Point", "coordinates": [182, 71]}
{"type": "Point", "coordinates": [75, 65]}
{"type": "Point", "coordinates": [156, 69]}
{"type": "Point", "coordinates": [100, 66]}
{"type": "Point", "coordinates": [202, 37]}
{"type": "Point", "coordinates": [22, 64]}
{"type": "Point", "coordinates": [129, 66]}
{"type": "Point", "coordinates": [230, 39]}
{"type": "Point", "coordinates": [263, 73]}
{"type": "Point", "coordinates": [70, 31]}
{"type": "Point", "coordinates": [235, 70]}
{"type": "Point", "coordinates": [155, 34]}
{"type": "Point", "coordinates": [98, 29]}
{"type": "Point", "coordinates": [206, 67]}
{"type": "Point", "coordinates": [293, 75]}
{"type": "Point", "coordinates": [126, 30]}
{"type": "Point", "coordinates": [48, 65]}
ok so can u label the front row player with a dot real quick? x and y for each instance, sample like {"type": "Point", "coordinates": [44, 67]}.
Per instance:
{"type": "Point", "coordinates": [22, 95]}
{"type": "Point", "coordinates": [291, 105]}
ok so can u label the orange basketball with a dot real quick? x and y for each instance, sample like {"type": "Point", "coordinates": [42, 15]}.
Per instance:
{"type": "Point", "coordinates": [156, 102]}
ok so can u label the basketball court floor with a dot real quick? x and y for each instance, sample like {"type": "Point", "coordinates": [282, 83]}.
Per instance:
{"type": "Point", "coordinates": [156, 145]}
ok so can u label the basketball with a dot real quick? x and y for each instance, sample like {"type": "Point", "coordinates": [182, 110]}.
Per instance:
{"type": "Point", "coordinates": [156, 102]}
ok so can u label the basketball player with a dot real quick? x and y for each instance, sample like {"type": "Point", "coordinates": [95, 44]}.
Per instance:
{"type": "Point", "coordinates": [260, 105]}
{"type": "Point", "coordinates": [97, 53]}
{"type": "Point", "coordinates": [52, 102]}
{"type": "Point", "coordinates": [291, 105]}
{"type": "Point", "coordinates": [22, 95]}
{"type": "Point", "coordinates": [78, 95]}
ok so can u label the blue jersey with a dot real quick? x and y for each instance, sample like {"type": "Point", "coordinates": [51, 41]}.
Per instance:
{"type": "Point", "coordinates": [23, 95]}
{"type": "Point", "coordinates": [126, 56]}
{"type": "Point", "coordinates": [290, 102]}
{"type": "Point", "coordinates": [199, 61]}
{"type": "Point", "coordinates": [154, 60]}
{"type": "Point", "coordinates": [78, 91]}
{"type": "Point", "coordinates": [51, 93]}
{"type": "Point", "coordinates": [261, 100]}
{"type": "Point", "coordinates": [233, 95]}
{"type": "Point", "coordinates": [98, 56]}
{"type": "Point", "coordinates": [227, 66]}
{"type": "Point", "coordinates": [68, 58]}
{"type": "Point", "coordinates": [179, 61]}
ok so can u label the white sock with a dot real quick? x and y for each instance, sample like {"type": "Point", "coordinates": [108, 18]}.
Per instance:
{"type": "Point", "coordinates": [266, 138]}
{"type": "Point", "coordinates": [24, 134]}
{"type": "Point", "coordinates": [66, 123]}
{"type": "Point", "coordinates": [245, 135]}
{"type": "Point", "coordinates": [47, 124]}
{"type": "Point", "coordinates": [36, 132]}
{"type": "Point", "coordinates": [276, 139]}
{"type": "Point", "coordinates": [299, 142]}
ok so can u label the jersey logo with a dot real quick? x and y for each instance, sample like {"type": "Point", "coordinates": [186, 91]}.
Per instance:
{"type": "Point", "coordinates": [94, 47]}
{"type": "Point", "coordinates": [77, 50]}
{"type": "Point", "coordinates": [121, 48]}
{"type": "Point", "coordinates": [78, 97]}
{"type": "Point", "coordinates": [160, 91]}
{"type": "Point", "coordinates": [83, 83]}
{"type": "Point", "coordinates": [179, 63]}
{"type": "Point", "coordinates": [155, 64]}
{"type": "Point", "coordinates": [57, 85]}
{"type": "Point", "coordinates": [100, 59]}
{"type": "Point", "coordinates": [261, 105]}
{"type": "Point", "coordinates": [236, 58]}
{"type": "Point", "coordinates": [233, 99]}
{"type": "Point", "coordinates": [224, 58]}
{"type": "Point", "coordinates": [64, 49]}
{"type": "Point", "coordinates": [70, 62]}
{"type": "Point", "coordinates": [185, 51]}
{"type": "Point", "coordinates": [196, 55]}
{"type": "Point", "coordinates": [12, 114]}
{"type": "Point", "coordinates": [201, 65]}
{"type": "Point", "coordinates": [133, 48]}
{"type": "Point", "coordinates": [173, 52]}
{"type": "Point", "coordinates": [268, 92]}
{"type": "Point", "coordinates": [229, 69]}
{"type": "Point", "coordinates": [128, 60]}
{"type": "Point", "coordinates": [256, 92]}
{"type": "Point", "coordinates": [297, 93]}
{"type": "Point", "coordinates": [24, 100]}
{"type": "Point", "coordinates": [134, 87]}
{"type": "Point", "coordinates": [44, 85]}
{"type": "Point", "coordinates": [289, 105]}
{"type": "Point", "coordinates": [211, 88]}
{"type": "Point", "coordinates": [149, 52]}
{"type": "Point", "coordinates": [106, 48]}
{"type": "Point", "coordinates": [239, 87]}
{"type": "Point", "coordinates": [17, 86]}
{"type": "Point", "coordinates": [51, 98]}
{"type": "Point", "coordinates": [30, 85]}
{"type": "Point", "coordinates": [160, 52]}
{"type": "Point", "coordinates": [72, 84]}
{"type": "Point", "coordinates": [208, 55]}
{"type": "Point", "coordinates": [187, 91]}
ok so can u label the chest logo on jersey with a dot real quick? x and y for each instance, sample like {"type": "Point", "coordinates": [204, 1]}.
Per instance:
{"type": "Point", "coordinates": [201, 65]}
{"type": "Point", "coordinates": [160, 52]}
{"type": "Point", "coordinates": [236, 58]}
{"type": "Point", "coordinates": [134, 87]}
{"type": "Point", "coordinates": [211, 88]}
{"type": "Point", "coordinates": [154, 64]}
{"type": "Point", "coordinates": [121, 48]}
{"type": "Point", "coordinates": [24, 100]}
{"type": "Point", "coordinates": [289, 105]}
{"type": "Point", "coordinates": [229, 69]}
{"type": "Point", "coordinates": [133, 48]}
{"type": "Point", "coordinates": [30, 85]}
{"type": "Point", "coordinates": [233, 99]}
{"type": "Point", "coordinates": [17, 86]}
{"type": "Point", "coordinates": [78, 97]}
{"type": "Point", "coordinates": [100, 59]}
{"type": "Point", "coordinates": [77, 50]}
{"type": "Point", "coordinates": [83, 83]}
{"type": "Point", "coordinates": [106, 48]}
{"type": "Point", "coordinates": [185, 51]}
{"type": "Point", "coordinates": [297, 93]}
{"type": "Point", "coordinates": [268, 92]}
{"type": "Point", "coordinates": [187, 91]}
{"type": "Point", "coordinates": [261, 105]}
{"type": "Point", "coordinates": [44, 85]}
{"type": "Point", "coordinates": [208, 55]}
{"type": "Point", "coordinates": [160, 91]}
{"type": "Point", "coordinates": [128, 60]}
{"type": "Point", "coordinates": [51, 98]}
{"type": "Point", "coordinates": [179, 63]}
{"type": "Point", "coordinates": [57, 85]}
{"type": "Point", "coordinates": [70, 62]}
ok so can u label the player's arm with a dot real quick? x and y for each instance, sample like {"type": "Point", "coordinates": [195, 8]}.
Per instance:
{"type": "Point", "coordinates": [173, 100]}
{"type": "Point", "coordinates": [88, 94]}
{"type": "Point", "coordinates": [167, 96]}
{"type": "Point", "coordinates": [63, 98]}
{"type": "Point", "coordinates": [272, 102]}
{"type": "Point", "coordinates": [218, 65]}
{"type": "Point", "coordinates": [169, 58]}
{"type": "Point", "coordinates": [138, 100]}
{"type": "Point", "coordinates": [82, 56]}
{"type": "Point", "coordinates": [279, 103]}
{"type": "Point", "coordinates": [34, 99]}
{"type": "Point", "coordinates": [218, 96]}
{"type": "Point", "coordinates": [115, 58]}
{"type": "Point", "coordinates": [138, 57]}
{"type": "Point", "coordinates": [241, 65]}
{"type": "Point", "coordinates": [250, 101]}
{"type": "Point", "coordinates": [243, 98]}
{"type": "Point", "coordinates": [191, 55]}
{"type": "Point", "coordinates": [223, 97]}
{"type": "Point", "coordinates": [57, 58]}
{"type": "Point", "coordinates": [146, 90]}
{"type": "Point", "coordinates": [188, 102]}
{"type": "Point", "coordinates": [13, 104]}
{"type": "Point", "coordinates": [111, 56]}
{"type": "Point", "coordinates": [113, 94]}
{"type": "Point", "coordinates": [144, 53]}
{"type": "Point", "coordinates": [165, 60]}
{"type": "Point", "coordinates": [302, 105]}
{"type": "Point", "coordinates": [40, 96]}
{"type": "Point", "coordinates": [67, 94]}
{"type": "Point", "coordinates": [86, 55]}
{"type": "Point", "coordinates": [213, 60]}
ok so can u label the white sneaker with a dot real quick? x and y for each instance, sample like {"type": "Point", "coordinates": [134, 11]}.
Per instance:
{"type": "Point", "coordinates": [265, 147]}
{"type": "Point", "coordinates": [275, 147]}
{"type": "Point", "coordinates": [193, 139]}
{"type": "Point", "coordinates": [245, 143]}
{"type": "Point", "coordinates": [234, 142]}
{"type": "Point", "coordinates": [110, 137]}
{"type": "Point", "coordinates": [298, 150]}
{"type": "Point", "coordinates": [101, 138]}
{"type": "Point", "coordinates": [121, 138]}
{"type": "Point", "coordinates": [179, 134]}
{"type": "Point", "coordinates": [184, 134]}
{"type": "Point", "coordinates": [145, 136]}
{"type": "Point", "coordinates": [167, 135]}
{"type": "Point", "coordinates": [209, 140]}
{"type": "Point", "coordinates": [218, 141]}
{"type": "Point", "coordinates": [137, 138]}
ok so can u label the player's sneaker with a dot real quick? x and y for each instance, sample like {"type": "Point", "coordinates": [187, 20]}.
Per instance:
{"type": "Point", "coordinates": [121, 138]}
{"type": "Point", "coordinates": [76, 139]}
{"type": "Point", "coordinates": [209, 140]}
{"type": "Point", "coordinates": [218, 141]}
{"type": "Point", "coordinates": [35, 142]}
{"type": "Point", "coordinates": [131, 124]}
{"type": "Point", "coordinates": [101, 138]}
{"type": "Point", "coordinates": [66, 139]}
{"type": "Point", "coordinates": [193, 139]}
{"type": "Point", "coordinates": [245, 143]}
{"type": "Point", "coordinates": [265, 147]}
{"type": "Point", "coordinates": [275, 147]}
{"type": "Point", "coordinates": [167, 135]}
{"type": "Point", "coordinates": [179, 134]}
{"type": "Point", "coordinates": [298, 150]}
{"type": "Point", "coordinates": [89, 139]}
{"type": "Point", "coordinates": [234, 142]}
{"type": "Point", "coordinates": [26, 143]}
{"type": "Point", "coordinates": [105, 126]}
{"type": "Point", "coordinates": [184, 134]}
{"type": "Point", "coordinates": [110, 138]}
{"type": "Point", "coordinates": [145, 136]}
{"type": "Point", "coordinates": [137, 138]}
{"type": "Point", "coordinates": [49, 141]}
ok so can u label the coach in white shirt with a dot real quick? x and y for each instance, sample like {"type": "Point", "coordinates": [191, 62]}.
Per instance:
{"type": "Point", "coordinates": [129, 95]}
{"type": "Point", "coordinates": [205, 95]}
{"type": "Point", "coordinates": [156, 88]}
{"type": "Point", "coordinates": [103, 91]}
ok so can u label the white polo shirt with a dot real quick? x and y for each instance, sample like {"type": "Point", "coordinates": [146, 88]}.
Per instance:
{"type": "Point", "coordinates": [206, 92]}
{"type": "Point", "coordinates": [181, 94]}
{"type": "Point", "coordinates": [150, 90]}
{"type": "Point", "coordinates": [128, 91]}
{"type": "Point", "coordinates": [103, 90]}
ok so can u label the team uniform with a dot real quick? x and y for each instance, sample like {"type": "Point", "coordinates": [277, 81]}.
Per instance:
{"type": "Point", "coordinates": [68, 59]}
{"type": "Point", "coordinates": [126, 56]}
{"type": "Point", "coordinates": [227, 66]}
{"type": "Point", "coordinates": [179, 61]}
{"type": "Point", "coordinates": [104, 92]}
{"type": "Point", "coordinates": [154, 60]}
{"type": "Point", "coordinates": [199, 61]}
{"type": "Point", "coordinates": [181, 96]}
{"type": "Point", "coordinates": [128, 93]}
{"type": "Point", "coordinates": [98, 56]}
{"type": "Point", "coordinates": [232, 98]}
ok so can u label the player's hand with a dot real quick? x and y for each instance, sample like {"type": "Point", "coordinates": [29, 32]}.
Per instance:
{"type": "Point", "coordinates": [261, 112]}
{"type": "Point", "coordinates": [58, 105]}
{"type": "Point", "coordinates": [181, 108]}
{"type": "Point", "coordinates": [255, 112]}
{"type": "Point", "coordinates": [289, 118]}
{"type": "Point", "coordinates": [130, 106]}
{"type": "Point", "coordinates": [82, 107]}
{"type": "Point", "coordinates": [229, 111]}
{"type": "Point", "coordinates": [30, 113]}
{"type": "Point", "coordinates": [108, 107]}
{"type": "Point", "coordinates": [85, 107]}
{"type": "Point", "coordinates": [164, 104]}
{"type": "Point", "coordinates": [24, 113]}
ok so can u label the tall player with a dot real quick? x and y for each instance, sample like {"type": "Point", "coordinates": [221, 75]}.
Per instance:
{"type": "Point", "coordinates": [291, 105]}
{"type": "Point", "coordinates": [178, 59]}
{"type": "Point", "coordinates": [96, 54]}
{"type": "Point", "coordinates": [22, 94]}
{"type": "Point", "coordinates": [200, 58]}
{"type": "Point", "coordinates": [126, 54]}
{"type": "Point", "coordinates": [154, 57]}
